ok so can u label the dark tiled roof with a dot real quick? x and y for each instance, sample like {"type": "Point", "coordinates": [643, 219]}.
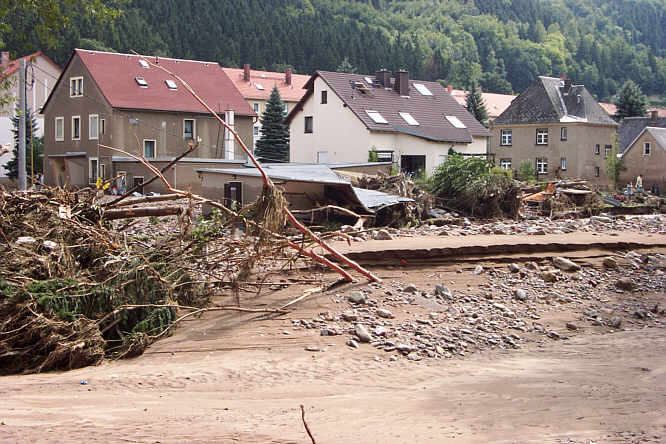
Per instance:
{"type": "Point", "coordinates": [428, 110]}
{"type": "Point", "coordinates": [545, 101]}
{"type": "Point", "coordinates": [631, 127]}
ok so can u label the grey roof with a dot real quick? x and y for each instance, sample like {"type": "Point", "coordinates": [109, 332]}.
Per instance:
{"type": "Point", "coordinates": [428, 110]}
{"type": "Point", "coordinates": [547, 101]}
{"type": "Point", "coordinates": [183, 160]}
{"type": "Point", "coordinates": [70, 154]}
{"type": "Point", "coordinates": [632, 127]}
{"type": "Point", "coordinates": [659, 135]}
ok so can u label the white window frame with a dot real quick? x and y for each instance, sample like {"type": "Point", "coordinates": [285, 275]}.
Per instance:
{"type": "Point", "coordinates": [564, 133]}
{"type": "Point", "coordinates": [542, 136]}
{"type": "Point", "coordinates": [409, 118]}
{"type": "Point", "coordinates": [92, 175]}
{"type": "Point", "coordinates": [321, 154]}
{"type": "Point", "coordinates": [647, 149]}
{"type": "Point", "coordinates": [563, 163]}
{"type": "Point", "coordinates": [143, 83]}
{"type": "Point", "coordinates": [505, 164]}
{"type": "Point", "coordinates": [376, 116]}
{"type": "Point", "coordinates": [255, 107]}
{"type": "Point", "coordinates": [607, 150]}
{"type": "Point", "coordinates": [144, 148]}
{"type": "Point", "coordinates": [79, 119]}
{"type": "Point", "coordinates": [542, 165]}
{"type": "Point", "coordinates": [90, 127]}
{"type": "Point", "coordinates": [256, 131]}
{"type": "Point", "coordinates": [171, 85]}
{"type": "Point", "coordinates": [60, 119]}
{"type": "Point", "coordinates": [305, 124]}
{"type": "Point", "coordinates": [194, 129]}
{"type": "Point", "coordinates": [506, 137]}
{"type": "Point", "coordinates": [73, 91]}
{"type": "Point", "coordinates": [597, 149]}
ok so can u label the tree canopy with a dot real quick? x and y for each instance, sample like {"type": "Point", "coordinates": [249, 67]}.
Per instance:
{"type": "Point", "coordinates": [476, 106]}
{"type": "Point", "coordinates": [630, 102]}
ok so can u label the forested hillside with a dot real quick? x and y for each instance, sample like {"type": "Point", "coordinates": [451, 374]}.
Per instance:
{"type": "Point", "coordinates": [503, 44]}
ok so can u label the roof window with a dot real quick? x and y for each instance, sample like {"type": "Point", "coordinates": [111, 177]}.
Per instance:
{"type": "Point", "coordinates": [141, 81]}
{"type": "Point", "coordinates": [143, 63]}
{"type": "Point", "coordinates": [409, 119]}
{"type": "Point", "coordinates": [376, 116]}
{"type": "Point", "coordinates": [171, 84]}
{"type": "Point", "coordinates": [422, 89]}
{"type": "Point", "coordinates": [453, 120]}
{"type": "Point", "coordinates": [259, 86]}
{"type": "Point", "coordinates": [368, 80]}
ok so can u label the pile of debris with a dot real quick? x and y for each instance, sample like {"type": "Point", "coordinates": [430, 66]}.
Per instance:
{"type": "Point", "coordinates": [562, 199]}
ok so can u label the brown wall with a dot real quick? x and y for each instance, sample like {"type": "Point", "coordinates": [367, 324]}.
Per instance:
{"type": "Point", "coordinates": [578, 149]}
{"type": "Point", "coordinates": [652, 167]}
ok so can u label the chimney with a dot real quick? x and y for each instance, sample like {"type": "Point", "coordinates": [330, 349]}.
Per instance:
{"type": "Point", "coordinates": [246, 72]}
{"type": "Point", "coordinates": [449, 89]}
{"type": "Point", "coordinates": [4, 59]}
{"type": "Point", "coordinates": [383, 78]}
{"type": "Point", "coordinates": [287, 76]}
{"type": "Point", "coordinates": [401, 83]}
{"type": "Point", "coordinates": [654, 115]}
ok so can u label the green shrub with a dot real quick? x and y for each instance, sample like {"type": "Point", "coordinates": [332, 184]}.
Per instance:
{"type": "Point", "coordinates": [526, 172]}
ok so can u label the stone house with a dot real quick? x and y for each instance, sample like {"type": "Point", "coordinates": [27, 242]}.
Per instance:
{"type": "Point", "coordinates": [643, 150]}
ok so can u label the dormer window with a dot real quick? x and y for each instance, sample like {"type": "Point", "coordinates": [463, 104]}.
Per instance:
{"type": "Point", "coordinates": [143, 63]}
{"type": "Point", "coordinates": [376, 116]}
{"type": "Point", "coordinates": [409, 119]}
{"type": "Point", "coordinates": [141, 82]}
{"type": "Point", "coordinates": [171, 84]}
{"type": "Point", "coordinates": [453, 120]}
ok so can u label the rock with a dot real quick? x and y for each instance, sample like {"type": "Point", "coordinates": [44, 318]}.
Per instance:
{"type": "Point", "coordinates": [478, 270]}
{"type": "Point", "coordinates": [565, 264]}
{"type": "Point", "coordinates": [381, 235]}
{"type": "Point", "coordinates": [26, 240]}
{"type": "Point", "coordinates": [404, 348]}
{"type": "Point", "coordinates": [50, 245]}
{"type": "Point", "coordinates": [383, 313]}
{"type": "Point", "coordinates": [602, 219]}
{"type": "Point", "coordinates": [520, 294]}
{"type": "Point", "coordinates": [413, 356]}
{"type": "Point", "coordinates": [609, 262]}
{"type": "Point", "coordinates": [571, 326]}
{"type": "Point", "coordinates": [549, 276]}
{"type": "Point", "coordinates": [625, 284]}
{"type": "Point", "coordinates": [553, 334]}
{"type": "Point", "coordinates": [615, 322]}
{"type": "Point", "coordinates": [410, 288]}
{"type": "Point", "coordinates": [349, 316]}
{"type": "Point", "coordinates": [641, 314]}
{"type": "Point", "coordinates": [352, 343]}
{"type": "Point", "coordinates": [514, 268]}
{"type": "Point", "coordinates": [312, 349]}
{"type": "Point", "coordinates": [362, 333]}
{"type": "Point", "coordinates": [380, 331]}
{"type": "Point", "coordinates": [356, 297]}
{"type": "Point", "coordinates": [443, 291]}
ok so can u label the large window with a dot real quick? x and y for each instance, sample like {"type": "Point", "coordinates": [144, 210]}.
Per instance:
{"type": "Point", "coordinates": [308, 124]}
{"type": "Point", "coordinates": [148, 148]}
{"type": "Point", "coordinates": [542, 165]}
{"type": "Point", "coordinates": [505, 164]}
{"type": "Point", "coordinates": [542, 136]}
{"type": "Point", "coordinates": [189, 129]}
{"type": "Point", "coordinates": [76, 127]}
{"type": "Point", "coordinates": [646, 149]}
{"type": "Point", "coordinates": [93, 127]}
{"type": "Point", "coordinates": [94, 169]}
{"type": "Point", "coordinates": [59, 129]}
{"type": "Point", "coordinates": [76, 87]}
{"type": "Point", "coordinates": [507, 137]}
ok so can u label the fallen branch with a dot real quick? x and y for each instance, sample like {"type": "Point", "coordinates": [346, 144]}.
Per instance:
{"type": "Point", "coordinates": [307, 429]}
{"type": "Point", "coordinates": [145, 199]}
{"type": "Point", "coordinates": [142, 212]}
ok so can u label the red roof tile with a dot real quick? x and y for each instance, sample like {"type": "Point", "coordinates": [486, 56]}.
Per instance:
{"type": "Point", "coordinates": [267, 79]}
{"type": "Point", "coordinates": [495, 103]}
{"type": "Point", "coordinates": [13, 65]}
{"type": "Point", "coordinates": [115, 76]}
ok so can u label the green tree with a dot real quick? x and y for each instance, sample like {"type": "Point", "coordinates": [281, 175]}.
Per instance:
{"type": "Point", "coordinates": [476, 106]}
{"type": "Point", "coordinates": [526, 171]}
{"type": "Point", "coordinates": [346, 66]}
{"type": "Point", "coordinates": [37, 146]}
{"type": "Point", "coordinates": [273, 146]}
{"type": "Point", "coordinates": [631, 102]}
{"type": "Point", "coordinates": [615, 164]}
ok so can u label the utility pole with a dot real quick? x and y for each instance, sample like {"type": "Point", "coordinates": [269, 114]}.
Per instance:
{"type": "Point", "coordinates": [21, 128]}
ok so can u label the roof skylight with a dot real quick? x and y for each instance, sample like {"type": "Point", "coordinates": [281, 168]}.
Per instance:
{"type": "Point", "coordinates": [368, 80]}
{"type": "Point", "coordinates": [409, 119]}
{"type": "Point", "coordinates": [422, 89]}
{"type": "Point", "coordinates": [376, 116]}
{"type": "Point", "coordinates": [143, 63]}
{"type": "Point", "coordinates": [171, 84]}
{"type": "Point", "coordinates": [259, 86]}
{"type": "Point", "coordinates": [141, 81]}
{"type": "Point", "coordinates": [453, 120]}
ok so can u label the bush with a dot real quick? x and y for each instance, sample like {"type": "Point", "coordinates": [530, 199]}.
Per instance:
{"type": "Point", "coordinates": [526, 172]}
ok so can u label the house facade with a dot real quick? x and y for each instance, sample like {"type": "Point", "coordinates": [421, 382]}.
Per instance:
{"type": "Point", "coordinates": [643, 144]}
{"type": "Point", "coordinates": [256, 87]}
{"type": "Point", "coordinates": [559, 128]}
{"type": "Point", "coordinates": [342, 118]}
{"type": "Point", "coordinates": [41, 76]}
{"type": "Point", "coordinates": [118, 100]}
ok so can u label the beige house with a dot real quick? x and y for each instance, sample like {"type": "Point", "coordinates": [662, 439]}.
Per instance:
{"type": "Point", "coordinates": [559, 128]}
{"type": "Point", "coordinates": [646, 155]}
{"type": "Point", "coordinates": [344, 117]}
{"type": "Point", "coordinates": [119, 100]}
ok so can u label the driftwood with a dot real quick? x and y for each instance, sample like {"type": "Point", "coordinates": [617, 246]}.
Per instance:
{"type": "Point", "coordinates": [307, 429]}
{"type": "Point", "coordinates": [151, 199]}
{"type": "Point", "coordinates": [142, 212]}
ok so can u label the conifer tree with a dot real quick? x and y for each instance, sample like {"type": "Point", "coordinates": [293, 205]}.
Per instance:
{"type": "Point", "coordinates": [273, 146]}
{"type": "Point", "coordinates": [37, 146]}
{"type": "Point", "coordinates": [476, 106]}
{"type": "Point", "coordinates": [631, 102]}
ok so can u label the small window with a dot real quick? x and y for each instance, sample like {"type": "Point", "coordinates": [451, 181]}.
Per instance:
{"type": "Point", "coordinates": [76, 87]}
{"type": "Point", "coordinates": [189, 129]}
{"type": "Point", "coordinates": [422, 89]}
{"type": "Point", "coordinates": [255, 131]}
{"type": "Point", "coordinates": [607, 150]}
{"type": "Point", "coordinates": [59, 129]}
{"type": "Point", "coordinates": [324, 97]}
{"type": "Point", "coordinates": [542, 136]}
{"type": "Point", "coordinates": [368, 80]}
{"type": "Point", "coordinates": [171, 84]}
{"type": "Point", "coordinates": [143, 63]}
{"type": "Point", "coordinates": [505, 164]}
{"type": "Point", "coordinates": [259, 86]}
{"type": "Point", "coordinates": [76, 127]}
{"type": "Point", "coordinates": [141, 82]}
{"type": "Point", "coordinates": [453, 120]}
{"type": "Point", "coordinates": [93, 127]}
{"type": "Point", "coordinates": [376, 116]}
{"type": "Point", "coordinates": [542, 165]}
{"type": "Point", "coordinates": [255, 107]}
{"type": "Point", "coordinates": [507, 137]}
{"type": "Point", "coordinates": [102, 126]}
{"type": "Point", "coordinates": [563, 133]}
{"type": "Point", "coordinates": [409, 119]}
{"type": "Point", "coordinates": [597, 171]}
{"type": "Point", "coordinates": [563, 164]}
{"type": "Point", "coordinates": [308, 124]}
{"type": "Point", "coordinates": [149, 148]}
{"type": "Point", "coordinates": [646, 149]}
{"type": "Point", "coordinates": [597, 149]}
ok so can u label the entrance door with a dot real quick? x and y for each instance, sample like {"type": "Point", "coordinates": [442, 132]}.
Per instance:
{"type": "Point", "coordinates": [138, 182]}
{"type": "Point", "coordinates": [412, 165]}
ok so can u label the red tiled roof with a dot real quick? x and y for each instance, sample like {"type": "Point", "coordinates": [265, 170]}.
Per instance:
{"type": "Point", "coordinates": [611, 109]}
{"type": "Point", "coordinates": [267, 79]}
{"type": "Point", "coordinates": [115, 76]}
{"type": "Point", "coordinates": [495, 103]}
{"type": "Point", "coordinates": [13, 65]}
